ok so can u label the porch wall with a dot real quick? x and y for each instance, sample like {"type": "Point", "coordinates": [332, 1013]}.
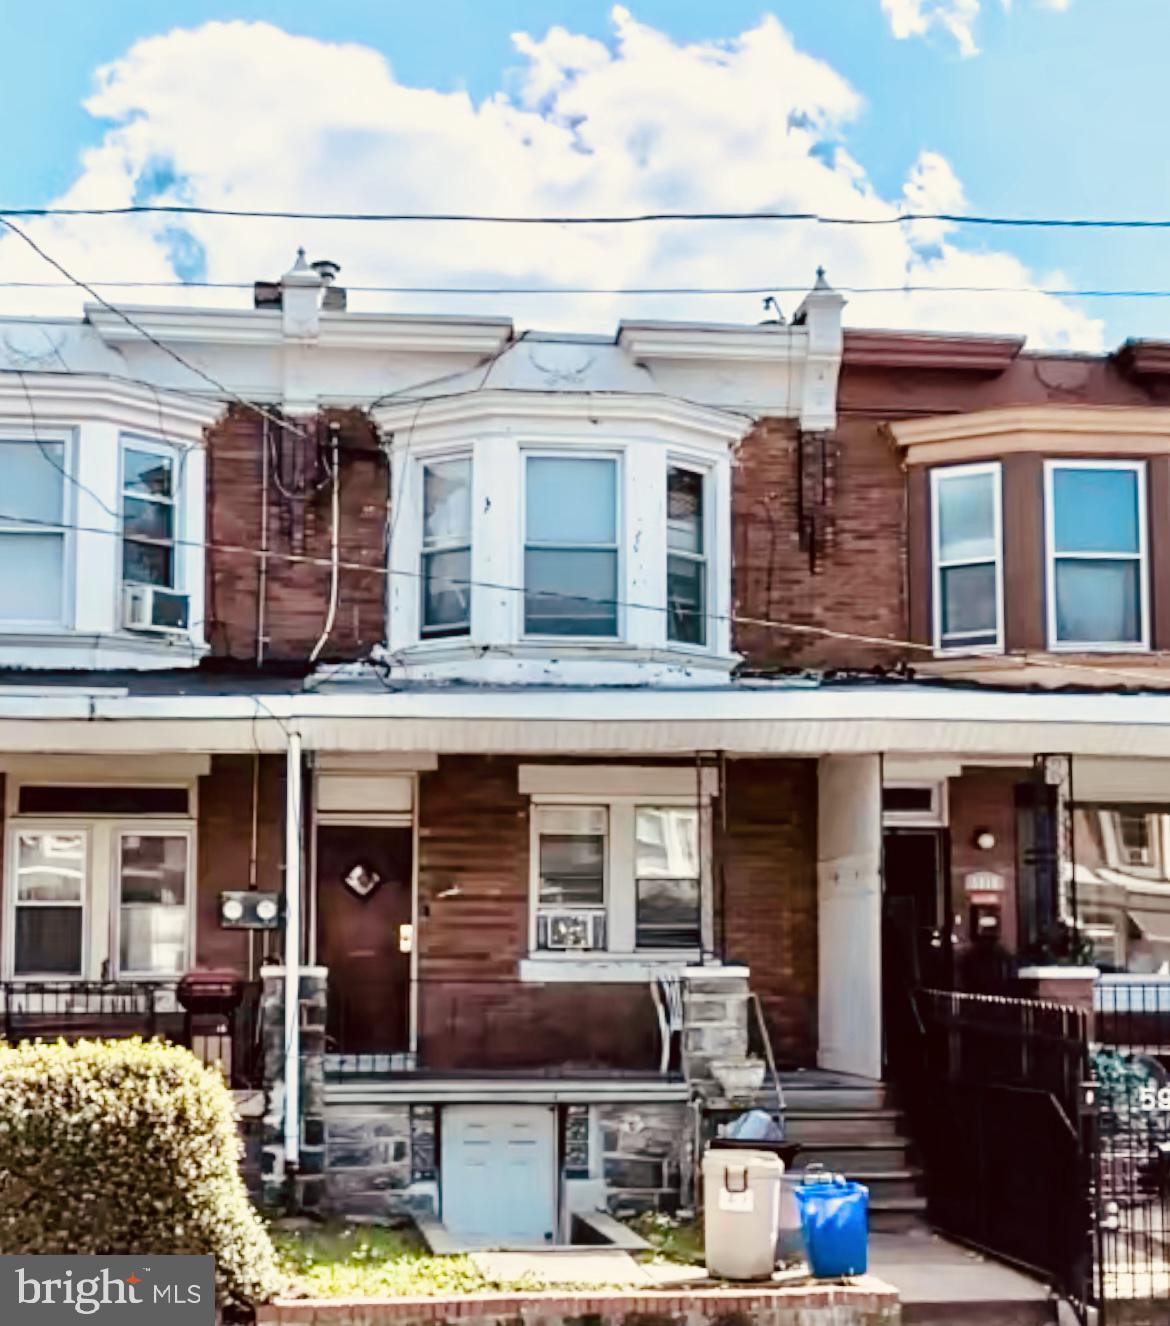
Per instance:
{"type": "Point", "coordinates": [474, 838]}
{"type": "Point", "coordinates": [983, 799]}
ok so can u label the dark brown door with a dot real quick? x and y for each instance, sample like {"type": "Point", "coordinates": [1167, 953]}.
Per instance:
{"type": "Point", "coordinates": [363, 901]}
{"type": "Point", "coordinates": [916, 932]}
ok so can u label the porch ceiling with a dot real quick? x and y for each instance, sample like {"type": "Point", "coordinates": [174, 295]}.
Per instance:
{"type": "Point", "coordinates": [740, 720]}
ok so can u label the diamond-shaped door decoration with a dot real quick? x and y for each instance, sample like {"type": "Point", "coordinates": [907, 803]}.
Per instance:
{"type": "Point", "coordinates": [362, 880]}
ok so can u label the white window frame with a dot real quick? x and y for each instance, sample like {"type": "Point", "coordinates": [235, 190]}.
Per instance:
{"type": "Point", "coordinates": [176, 457]}
{"type": "Point", "coordinates": [102, 901]}
{"type": "Point", "coordinates": [934, 816]}
{"type": "Point", "coordinates": [938, 476]}
{"type": "Point", "coordinates": [66, 439]}
{"type": "Point", "coordinates": [12, 904]}
{"type": "Point", "coordinates": [424, 548]}
{"type": "Point", "coordinates": [1137, 467]}
{"type": "Point", "coordinates": [705, 559]}
{"type": "Point", "coordinates": [618, 547]}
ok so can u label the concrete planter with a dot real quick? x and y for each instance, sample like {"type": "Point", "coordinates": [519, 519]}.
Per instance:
{"type": "Point", "coordinates": [738, 1077]}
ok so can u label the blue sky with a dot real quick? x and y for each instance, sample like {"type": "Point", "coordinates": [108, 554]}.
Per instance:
{"type": "Point", "coordinates": [1059, 111]}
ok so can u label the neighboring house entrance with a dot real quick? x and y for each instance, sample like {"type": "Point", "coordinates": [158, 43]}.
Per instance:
{"type": "Point", "coordinates": [916, 932]}
{"type": "Point", "coordinates": [363, 903]}
{"type": "Point", "coordinates": [499, 1174]}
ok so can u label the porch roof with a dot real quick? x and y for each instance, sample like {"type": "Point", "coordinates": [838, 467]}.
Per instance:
{"type": "Point", "coordinates": [133, 712]}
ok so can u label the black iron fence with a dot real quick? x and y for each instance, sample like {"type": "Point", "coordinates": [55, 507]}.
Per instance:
{"type": "Point", "coordinates": [76, 1010]}
{"type": "Point", "coordinates": [998, 1107]}
{"type": "Point", "coordinates": [1131, 1067]}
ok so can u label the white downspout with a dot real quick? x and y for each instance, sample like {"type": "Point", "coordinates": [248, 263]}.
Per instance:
{"type": "Point", "coordinates": [293, 810]}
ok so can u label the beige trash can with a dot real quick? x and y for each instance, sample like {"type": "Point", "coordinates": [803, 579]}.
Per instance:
{"type": "Point", "coordinates": [741, 1213]}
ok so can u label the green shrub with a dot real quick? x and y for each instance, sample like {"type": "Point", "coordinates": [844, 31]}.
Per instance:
{"type": "Point", "coordinates": [126, 1147]}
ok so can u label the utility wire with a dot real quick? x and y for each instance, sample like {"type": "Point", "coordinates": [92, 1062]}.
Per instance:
{"type": "Point", "coordinates": [599, 219]}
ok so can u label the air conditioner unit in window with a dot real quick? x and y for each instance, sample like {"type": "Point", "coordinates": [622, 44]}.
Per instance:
{"type": "Point", "coordinates": [149, 608]}
{"type": "Point", "coordinates": [571, 931]}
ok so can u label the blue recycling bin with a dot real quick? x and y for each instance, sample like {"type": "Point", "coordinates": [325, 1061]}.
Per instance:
{"type": "Point", "coordinates": [834, 1222]}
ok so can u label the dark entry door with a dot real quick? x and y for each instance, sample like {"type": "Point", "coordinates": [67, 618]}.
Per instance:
{"type": "Point", "coordinates": [916, 933]}
{"type": "Point", "coordinates": [363, 901]}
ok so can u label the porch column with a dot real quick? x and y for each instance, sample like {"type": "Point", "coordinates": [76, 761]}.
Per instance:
{"type": "Point", "coordinates": [849, 913]}
{"type": "Point", "coordinates": [293, 811]}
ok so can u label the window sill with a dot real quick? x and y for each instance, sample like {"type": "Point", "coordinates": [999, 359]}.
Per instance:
{"type": "Point", "coordinates": [605, 968]}
{"type": "Point", "coordinates": [58, 648]}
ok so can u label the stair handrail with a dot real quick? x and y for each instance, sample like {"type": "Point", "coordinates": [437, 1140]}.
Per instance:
{"type": "Point", "coordinates": [769, 1057]}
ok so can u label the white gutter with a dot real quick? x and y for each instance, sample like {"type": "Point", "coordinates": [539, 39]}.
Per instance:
{"type": "Point", "coordinates": [293, 810]}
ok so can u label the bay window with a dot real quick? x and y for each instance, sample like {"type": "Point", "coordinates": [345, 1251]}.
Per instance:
{"type": "Point", "coordinates": [32, 532]}
{"type": "Point", "coordinates": [686, 563]}
{"type": "Point", "coordinates": [446, 548]}
{"type": "Point", "coordinates": [967, 548]}
{"type": "Point", "coordinates": [571, 546]}
{"type": "Point", "coordinates": [1097, 574]}
{"type": "Point", "coordinates": [148, 517]}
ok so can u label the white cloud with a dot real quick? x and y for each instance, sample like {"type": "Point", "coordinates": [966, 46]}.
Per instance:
{"type": "Point", "coordinates": [246, 115]}
{"type": "Point", "coordinates": [916, 18]}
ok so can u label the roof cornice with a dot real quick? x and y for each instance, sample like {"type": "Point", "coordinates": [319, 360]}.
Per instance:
{"type": "Point", "coordinates": [921, 350]}
{"type": "Point", "coordinates": [647, 341]}
{"type": "Point", "coordinates": [1115, 430]}
{"type": "Point", "coordinates": [516, 410]}
{"type": "Point", "coordinates": [67, 399]}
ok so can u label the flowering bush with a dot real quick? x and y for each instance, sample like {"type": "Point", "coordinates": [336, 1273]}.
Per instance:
{"type": "Point", "coordinates": [126, 1147]}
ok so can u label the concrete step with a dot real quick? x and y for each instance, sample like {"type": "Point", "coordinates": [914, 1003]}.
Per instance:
{"type": "Point", "coordinates": [800, 1097]}
{"type": "Point", "coordinates": [989, 1312]}
{"type": "Point", "coordinates": [876, 1157]}
{"type": "Point", "coordinates": [893, 1185]}
{"type": "Point", "coordinates": [891, 1215]}
{"type": "Point", "coordinates": [821, 1125]}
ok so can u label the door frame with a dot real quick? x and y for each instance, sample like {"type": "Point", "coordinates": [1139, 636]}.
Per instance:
{"type": "Point", "coordinates": [374, 819]}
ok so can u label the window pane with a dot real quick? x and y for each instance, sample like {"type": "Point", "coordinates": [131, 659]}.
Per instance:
{"type": "Point", "coordinates": [32, 570]}
{"type": "Point", "coordinates": [154, 869]}
{"type": "Point", "coordinates": [966, 517]}
{"type": "Point", "coordinates": [667, 842]}
{"type": "Point", "coordinates": [668, 914]}
{"type": "Point", "coordinates": [571, 500]}
{"type": "Point", "coordinates": [50, 867]}
{"type": "Point", "coordinates": [154, 939]}
{"type": "Point", "coordinates": [572, 870]}
{"type": "Point", "coordinates": [147, 472]}
{"type": "Point", "coordinates": [447, 499]}
{"type": "Point", "coordinates": [447, 593]}
{"type": "Point", "coordinates": [33, 483]}
{"type": "Point", "coordinates": [1097, 602]}
{"type": "Point", "coordinates": [48, 941]}
{"type": "Point", "coordinates": [686, 619]}
{"type": "Point", "coordinates": [968, 604]}
{"type": "Point", "coordinates": [570, 592]}
{"type": "Point", "coordinates": [684, 510]}
{"type": "Point", "coordinates": [147, 563]}
{"type": "Point", "coordinates": [1096, 510]}
{"type": "Point", "coordinates": [148, 520]}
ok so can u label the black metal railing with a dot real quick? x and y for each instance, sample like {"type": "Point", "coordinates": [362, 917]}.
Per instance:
{"type": "Point", "coordinates": [998, 1108]}
{"type": "Point", "coordinates": [101, 1010]}
{"type": "Point", "coordinates": [1131, 1066]}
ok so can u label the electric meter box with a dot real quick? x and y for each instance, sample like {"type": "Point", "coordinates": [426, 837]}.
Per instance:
{"type": "Point", "coordinates": [250, 909]}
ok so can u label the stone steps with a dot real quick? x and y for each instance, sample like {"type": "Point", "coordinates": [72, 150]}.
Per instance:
{"type": "Point", "coordinates": [843, 1125]}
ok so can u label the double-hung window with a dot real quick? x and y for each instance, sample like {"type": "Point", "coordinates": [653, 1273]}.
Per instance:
{"type": "Point", "coordinates": [667, 877]}
{"type": "Point", "coordinates": [571, 546]}
{"type": "Point", "coordinates": [152, 902]}
{"type": "Point", "coordinates": [446, 548]}
{"type": "Point", "coordinates": [1096, 564]}
{"type": "Point", "coordinates": [686, 559]}
{"type": "Point", "coordinates": [51, 869]}
{"type": "Point", "coordinates": [968, 579]}
{"type": "Point", "coordinates": [32, 532]}
{"type": "Point", "coordinates": [148, 517]}
{"type": "Point", "coordinates": [572, 847]}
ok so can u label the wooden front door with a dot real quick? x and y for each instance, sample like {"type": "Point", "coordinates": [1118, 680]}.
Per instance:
{"type": "Point", "coordinates": [363, 901]}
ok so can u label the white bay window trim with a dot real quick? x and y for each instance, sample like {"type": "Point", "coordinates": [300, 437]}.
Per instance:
{"type": "Point", "coordinates": [951, 643]}
{"type": "Point", "coordinates": [499, 430]}
{"type": "Point", "coordinates": [61, 447]}
{"type": "Point", "coordinates": [1140, 555]}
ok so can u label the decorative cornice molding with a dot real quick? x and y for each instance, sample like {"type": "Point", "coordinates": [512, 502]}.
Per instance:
{"type": "Point", "coordinates": [67, 399]}
{"type": "Point", "coordinates": [519, 411]}
{"type": "Point", "coordinates": [714, 342]}
{"type": "Point", "coordinates": [1119, 430]}
{"type": "Point", "coordinates": [922, 350]}
{"type": "Point", "coordinates": [1145, 358]}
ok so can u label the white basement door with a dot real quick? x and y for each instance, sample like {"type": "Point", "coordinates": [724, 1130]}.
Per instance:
{"type": "Point", "coordinates": [498, 1170]}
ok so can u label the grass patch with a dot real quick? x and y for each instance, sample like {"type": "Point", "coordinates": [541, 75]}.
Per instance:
{"type": "Point", "coordinates": [343, 1261]}
{"type": "Point", "coordinates": [674, 1240]}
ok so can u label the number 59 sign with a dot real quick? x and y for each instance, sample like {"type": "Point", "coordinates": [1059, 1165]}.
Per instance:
{"type": "Point", "coordinates": [1154, 1098]}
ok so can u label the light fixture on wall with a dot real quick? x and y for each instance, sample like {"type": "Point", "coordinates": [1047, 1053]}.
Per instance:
{"type": "Point", "coordinates": [983, 839]}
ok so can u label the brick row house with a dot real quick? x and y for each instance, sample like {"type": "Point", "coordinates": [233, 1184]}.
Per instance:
{"type": "Point", "coordinates": [555, 725]}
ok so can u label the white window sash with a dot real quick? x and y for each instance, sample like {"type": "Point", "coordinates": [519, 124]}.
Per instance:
{"type": "Point", "coordinates": [702, 559]}
{"type": "Point", "coordinates": [429, 544]}
{"type": "Point", "coordinates": [63, 532]}
{"type": "Point", "coordinates": [14, 904]}
{"type": "Point", "coordinates": [173, 503]}
{"type": "Point", "coordinates": [1140, 555]}
{"type": "Point", "coordinates": [120, 831]}
{"type": "Point", "coordinates": [938, 477]}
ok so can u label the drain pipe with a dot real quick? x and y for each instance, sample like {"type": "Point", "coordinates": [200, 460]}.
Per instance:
{"type": "Point", "coordinates": [293, 811]}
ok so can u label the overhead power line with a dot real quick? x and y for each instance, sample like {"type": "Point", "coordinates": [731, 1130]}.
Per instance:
{"type": "Point", "coordinates": [1059, 291]}
{"type": "Point", "coordinates": [598, 219]}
